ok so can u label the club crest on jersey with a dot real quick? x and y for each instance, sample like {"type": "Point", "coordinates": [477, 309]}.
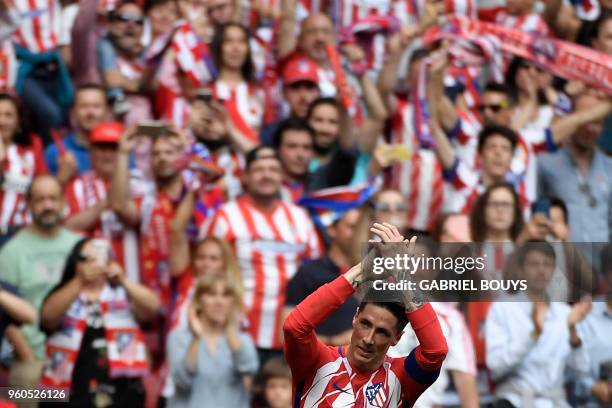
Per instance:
{"type": "Point", "coordinates": [376, 395]}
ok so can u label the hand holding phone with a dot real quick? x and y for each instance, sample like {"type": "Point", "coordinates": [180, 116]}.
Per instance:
{"type": "Point", "coordinates": [152, 128]}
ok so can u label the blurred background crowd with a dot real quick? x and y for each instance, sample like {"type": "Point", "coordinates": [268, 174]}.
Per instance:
{"type": "Point", "coordinates": [177, 175]}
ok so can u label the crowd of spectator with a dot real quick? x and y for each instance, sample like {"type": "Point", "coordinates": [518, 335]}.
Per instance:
{"type": "Point", "coordinates": [177, 175]}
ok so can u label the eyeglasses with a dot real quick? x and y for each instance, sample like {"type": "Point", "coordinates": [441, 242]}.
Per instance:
{"type": "Point", "coordinates": [501, 205]}
{"type": "Point", "coordinates": [384, 207]}
{"type": "Point", "coordinates": [527, 65]}
{"type": "Point", "coordinates": [586, 190]}
{"type": "Point", "coordinates": [128, 18]}
{"type": "Point", "coordinates": [495, 108]}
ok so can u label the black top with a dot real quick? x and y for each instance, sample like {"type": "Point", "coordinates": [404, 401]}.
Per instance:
{"type": "Point", "coordinates": [337, 172]}
{"type": "Point", "coordinates": [5, 319]}
{"type": "Point", "coordinates": [92, 385]}
{"type": "Point", "coordinates": [310, 277]}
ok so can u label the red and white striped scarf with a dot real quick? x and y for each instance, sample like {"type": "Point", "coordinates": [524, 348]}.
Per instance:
{"type": "Point", "coordinates": [125, 345]}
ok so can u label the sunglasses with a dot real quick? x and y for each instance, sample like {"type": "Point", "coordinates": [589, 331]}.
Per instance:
{"type": "Point", "coordinates": [586, 190]}
{"type": "Point", "coordinates": [127, 18]}
{"type": "Point", "coordinates": [495, 108]}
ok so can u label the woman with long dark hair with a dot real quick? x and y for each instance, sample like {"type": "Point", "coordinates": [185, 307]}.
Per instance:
{"type": "Point", "coordinates": [95, 348]}
{"type": "Point", "coordinates": [21, 158]}
{"type": "Point", "coordinates": [495, 223]}
{"type": "Point", "coordinates": [235, 87]}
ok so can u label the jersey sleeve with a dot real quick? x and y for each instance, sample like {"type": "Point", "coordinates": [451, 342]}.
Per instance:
{"type": "Point", "coordinates": [460, 176]}
{"type": "Point", "coordinates": [299, 327]}
{"type": "Point", "coordinates": [421, 367]}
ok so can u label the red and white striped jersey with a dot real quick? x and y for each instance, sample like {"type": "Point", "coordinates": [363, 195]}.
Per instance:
{"type": "Point", "coordinates": [420, 178]}
{"type": "Point", "coordinates": [464, 185]}
{"type": "Point", "coordinates": [250, 14]}
{"type": "Point", "coordinates": [8, 66]}
{"type": "Point", "coordinates": [531, 142]}
{"type": "Point", "coordinates": [269, 245]}
{"type": "Point", "coordinates": [323, 376]}
{"type": "Point", "coordinates": [40, 22]}
{"type": "Point", "coordinates": [132, 69]}
{"type": "Point", "coordinates": [464, 137]}
{"type": "Point", "coordinates": [21, 164]}
{"type": "Point", "coordinates": [85, 191]}
{"type": "Point", "coordinates": [462, 189]}
{"type": "Point", "coordinates": [245, 107]}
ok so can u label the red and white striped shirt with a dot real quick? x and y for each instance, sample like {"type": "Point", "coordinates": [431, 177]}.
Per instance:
{"type": "Point", "coordinates": [323, 376]}
{"type": "Point", "coordinates": [420, 178]}
{"type": "Point", "coordinates": [85, 191]}
{"type": "Point", "coordinates": [8, 66]}
{"type": "Point", "coordinates": [20, 165]}
{"type": "Point", "coordinates": [269, 245]}
{"type": "Point", "coordinates": [244, 105]}
{"type": "Point", "coordinates": [40, 22]}
{"type": "Point", "coordinates": [531, 142]}
{"type": "Point", "coordinates": [464, 186]}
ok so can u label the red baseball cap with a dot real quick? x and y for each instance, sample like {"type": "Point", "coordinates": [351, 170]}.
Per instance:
{"type": "Point", "coordinates": [107, 132]}
{"type": "Point", "coordinates": [300, 69]}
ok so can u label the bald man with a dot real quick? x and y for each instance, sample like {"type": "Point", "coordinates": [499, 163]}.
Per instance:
{"type": "Point", "coordinates": [33, 261]}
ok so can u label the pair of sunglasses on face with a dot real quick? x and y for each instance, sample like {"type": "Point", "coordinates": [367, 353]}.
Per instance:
{"type": "Point", "coordinates": [128, 18]}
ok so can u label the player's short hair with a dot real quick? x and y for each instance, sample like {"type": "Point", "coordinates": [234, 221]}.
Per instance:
{"type": "Point", "coordinates": [387, 299]}
{"type": "Point", "coordinates": [497, 130]}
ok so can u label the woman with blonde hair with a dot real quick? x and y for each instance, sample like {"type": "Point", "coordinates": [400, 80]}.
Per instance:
{"type": "Point", "coordinates": [211, 361]}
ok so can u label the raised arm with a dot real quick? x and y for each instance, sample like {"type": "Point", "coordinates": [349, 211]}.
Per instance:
{"type": "Point", "coordinates": [438, 101]}
{"type": "Point", "coordinates": [300, 338]}
{"type": "Point", "coordinates": [86, 219]}
{"type": "Point", "coordinates": [118, 194]}
{"type": "Point", "coordinates": [287, 37]}
{"type": "Point", "coordinates": [563, 127]}
{"type": "Point", "coordinates": [143, 301]}
{"type": "Point", "coordinates": [179, 244]}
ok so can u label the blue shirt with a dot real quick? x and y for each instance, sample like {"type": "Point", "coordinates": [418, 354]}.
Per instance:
{"type": "Point", "coordinates": [559, 177]}
{"type": "Point", "coordinates": [80, 152]}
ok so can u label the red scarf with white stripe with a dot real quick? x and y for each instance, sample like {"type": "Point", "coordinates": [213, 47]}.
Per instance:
{"type": "Point", "coordinates": [125, 346]}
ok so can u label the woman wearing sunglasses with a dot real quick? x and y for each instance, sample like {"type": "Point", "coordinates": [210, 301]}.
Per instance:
{"type": "Point", "coordinates": [95, 348]}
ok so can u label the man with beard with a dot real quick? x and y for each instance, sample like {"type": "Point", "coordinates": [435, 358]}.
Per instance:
{"type": "Point", "coordinates": [120, 61]}
{"type": "Point", "coordinates": [90, 108]}
{"type": "Point", "coordinates": [150, 213]}
{"type": "Point", "coordinates": [293, 142]}
{"type": "Point", "coordinates": [271, 238]}
{"type": "Point", "coordinates": [335, 153]}
{"type": "Point", "coordinates": [581, 175]}
{"type": "Point", "coordinates": [33, 261]}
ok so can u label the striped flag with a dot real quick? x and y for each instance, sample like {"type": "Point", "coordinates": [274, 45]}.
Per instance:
{"type": "Point", "coordinates": [326, 206]}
